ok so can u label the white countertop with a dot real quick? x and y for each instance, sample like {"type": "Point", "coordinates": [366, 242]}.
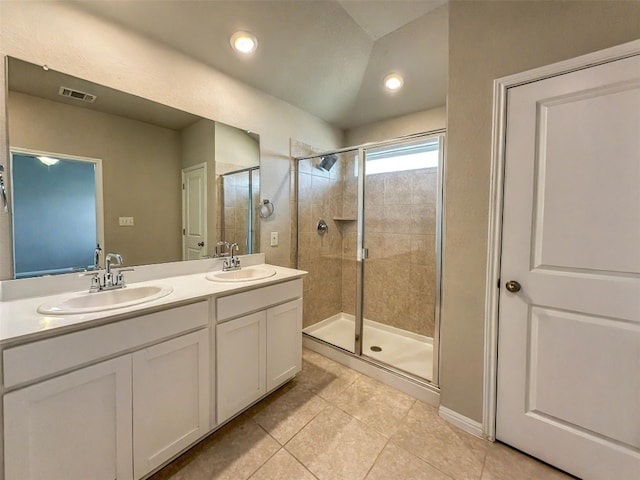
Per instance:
{"type": "Point", "coordinates": [20, 322]}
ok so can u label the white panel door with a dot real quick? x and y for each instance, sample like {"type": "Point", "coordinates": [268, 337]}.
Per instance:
{"type": "Point", "coordinates": [194, 211]}
{"type": "Point", "coordinates": [284, 342]}
{"type": "Point", "coordinates": [569, 339]}
{"type": "Point", "coordinates": [241, 363]}
{"type": "Point", "coordinates": [170, 399]}
{"type": "Point", "coordinates": [73, 427]}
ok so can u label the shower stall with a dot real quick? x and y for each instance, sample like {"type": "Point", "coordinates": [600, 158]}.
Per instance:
{"type": "Point", "coordinates": [237, 219]}
{"type": "Point", "coordinates": [369, 234]}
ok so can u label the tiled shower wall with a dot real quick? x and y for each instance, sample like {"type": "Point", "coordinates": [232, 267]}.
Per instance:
{"type": "Point", "coordinates": [233, 190]}
{"type": "Point", "coordinates": [400, 220]}
{"type": "Point", "coordinates": [320, 197]}
{"type": "Point", "coordinates": [400, 223]}
{"type": "Point", "coordinates": [400, 228]}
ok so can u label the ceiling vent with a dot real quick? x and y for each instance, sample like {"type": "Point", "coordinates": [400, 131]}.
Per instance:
{"type": "Point", "coordinates": [77, 94]}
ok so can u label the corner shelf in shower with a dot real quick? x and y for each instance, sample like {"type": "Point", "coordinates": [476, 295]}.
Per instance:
{"type": "Point", "coordinates": [344, 219]}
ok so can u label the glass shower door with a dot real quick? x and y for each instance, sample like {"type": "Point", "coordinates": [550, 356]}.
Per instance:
{"type": "Point", "coordinates": [400, 238]}
{"type": "Point", "coordinates": [327, 200]}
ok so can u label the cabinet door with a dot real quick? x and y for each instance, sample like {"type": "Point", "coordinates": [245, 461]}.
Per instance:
{"type": "Point", "coordinates": [170, 398]}
{"type": "Point", "coordinates": [76, 426]}
{"type": "Point", "coordinates": [241, 360]}
{"type": "Point", "coordinates": [284, 342]}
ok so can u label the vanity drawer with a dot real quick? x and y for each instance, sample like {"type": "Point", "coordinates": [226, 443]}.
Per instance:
{"type": "Point", "coordinates": [45, 357]}
{"type": "Point", "coordinates": [258, 299]}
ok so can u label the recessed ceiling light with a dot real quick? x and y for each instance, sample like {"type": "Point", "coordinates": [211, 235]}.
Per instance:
{"type": "Point", "coordinates": [393, 82]}
{"type": "Point", "coordinates": [244, 42]}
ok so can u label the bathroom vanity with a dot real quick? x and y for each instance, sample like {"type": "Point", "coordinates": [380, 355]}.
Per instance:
{"type": "Point", "coordinates": [118, 393]}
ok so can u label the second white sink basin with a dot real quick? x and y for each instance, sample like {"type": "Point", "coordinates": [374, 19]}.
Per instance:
{"type": "Point", "coordinates": [107, 300]}
{"type": "Point", "coordinates": [246, 274]}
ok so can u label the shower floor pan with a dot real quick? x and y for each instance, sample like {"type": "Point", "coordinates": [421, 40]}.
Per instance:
{"type": "Point", "coordinates": [398, 348]}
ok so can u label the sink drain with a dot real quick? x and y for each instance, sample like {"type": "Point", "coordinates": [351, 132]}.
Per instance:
{"type": "Point", "coordinates": [376, 348]}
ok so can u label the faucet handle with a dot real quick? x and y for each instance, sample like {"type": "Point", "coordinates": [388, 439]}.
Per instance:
{"type": "Point", "coordinates": [95, 280]}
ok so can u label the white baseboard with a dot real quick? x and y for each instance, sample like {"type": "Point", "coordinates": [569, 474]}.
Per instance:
{"type": "Point", "coordinates": [460, 421]}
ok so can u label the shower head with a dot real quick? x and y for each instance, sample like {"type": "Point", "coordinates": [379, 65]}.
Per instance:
{"type": "Point", "coordinates": [327, 162]}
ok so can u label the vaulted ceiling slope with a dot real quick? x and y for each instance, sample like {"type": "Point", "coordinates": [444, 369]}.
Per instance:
{"type": "Point", "coordinates": [327, 57]}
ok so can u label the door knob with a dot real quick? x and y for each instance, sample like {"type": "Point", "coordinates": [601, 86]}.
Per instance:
{"type": "Point", "coordinates": [513, 286]}
{"type": "Point", "coordinates": [201, 244]}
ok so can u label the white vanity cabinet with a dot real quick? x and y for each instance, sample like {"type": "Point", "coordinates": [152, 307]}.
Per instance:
{"type": "Point", "coordinates": [76, 426]}
{"type": "Point", "coordinates": [170, 399]}
{"type": "Point", "coordinates": [256, 352]}
{"type": "Point", "coordinates": [108, 419]}
{"type": "Point", "coordinates": [241, 358]}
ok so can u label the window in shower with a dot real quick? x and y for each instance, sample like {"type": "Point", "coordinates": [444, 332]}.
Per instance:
{"type": "Point", "coordinates": [403, 157]}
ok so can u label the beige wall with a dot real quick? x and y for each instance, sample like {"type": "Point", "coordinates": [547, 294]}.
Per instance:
{"type": "Point", "coordinates": [424, 121]}
{"type": "Point", "coordinates": [140, 168]}
{"type": "Point", "coordinates": [235, 149]}
{"type": "Point", "coordinates": [198, 144]}
{"type": "Point", "coordinates": [76, 43]}
{"type": "Point", "coordinates": [488, 40]}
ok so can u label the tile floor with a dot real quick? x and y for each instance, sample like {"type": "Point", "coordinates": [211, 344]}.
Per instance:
{"type": "Point", "coordinates": [332, 423]}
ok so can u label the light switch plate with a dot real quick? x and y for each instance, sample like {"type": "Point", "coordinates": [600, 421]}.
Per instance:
{"type": "Point", "coordinates": [125, 221]}
{"type": "Point", "coordinates": [274, 239]}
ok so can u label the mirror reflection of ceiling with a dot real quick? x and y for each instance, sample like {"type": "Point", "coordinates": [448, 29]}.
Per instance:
{"type": "Point", "coordinates": [327, 57]}
{"type": "Point", "coordinates": [34, 80]}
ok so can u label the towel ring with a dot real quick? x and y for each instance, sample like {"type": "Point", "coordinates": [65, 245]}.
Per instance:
{"type": "Point", "coordinates": [266, 208]}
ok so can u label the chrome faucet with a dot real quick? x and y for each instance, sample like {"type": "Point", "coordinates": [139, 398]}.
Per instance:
{"type": "Point", "coordinates": [233, 262]}
{"type": "Point", "coordinates": [96, 257]}
{"type": "Point", "coordinates": [109, 280]}
{"type": "Point", "coordinates": [108, 260]}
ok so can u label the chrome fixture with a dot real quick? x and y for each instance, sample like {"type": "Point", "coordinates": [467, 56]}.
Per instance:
{"type": "Point", "coordinates": [109, 280]}
{"type": "Point", "coordinates": [3, 191]}
{"type": "Point", "coordinates": [233, 262]}
{"type": "Point", "coordinates": [218, 252]}
{"type": "Point", "coordinates": [96, 257]}
{"type": "Point", "coordinates": [327, 162]}
{"type": "Point", "coordinates": [322, 227]}
{"type": "Point", "coordinates": [266, 208]}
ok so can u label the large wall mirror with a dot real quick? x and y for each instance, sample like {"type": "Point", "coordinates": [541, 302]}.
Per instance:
{"type": "Point", "coordinates": [92, 165]}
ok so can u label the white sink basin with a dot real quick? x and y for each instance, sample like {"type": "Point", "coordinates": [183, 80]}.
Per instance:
{"type": "Point", "coordinates": [107, 300]}
{"type": "Point", "coordinates": [243, 275]}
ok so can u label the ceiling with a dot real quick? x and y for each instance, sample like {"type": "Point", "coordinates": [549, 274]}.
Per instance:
{"type": "Point", "coordinates": [34, 80]}
{"type": "Point", "coordinates": [327, 57]}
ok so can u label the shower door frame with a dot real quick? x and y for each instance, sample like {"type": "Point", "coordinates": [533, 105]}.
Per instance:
{"type": "Point", "coordinates": [250, 233]}
{"type": "Point", "coordinates": [361, 253]}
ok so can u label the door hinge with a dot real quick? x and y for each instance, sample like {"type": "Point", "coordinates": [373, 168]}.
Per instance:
{"type": "Point", "coordinates": [184, 232]}
{"type": "Point", "coordinates": [498, 283]}
{"type": "Point", "coordinates": [365, 253]}
{"type": "Point", "coordinates": [183, 186]}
